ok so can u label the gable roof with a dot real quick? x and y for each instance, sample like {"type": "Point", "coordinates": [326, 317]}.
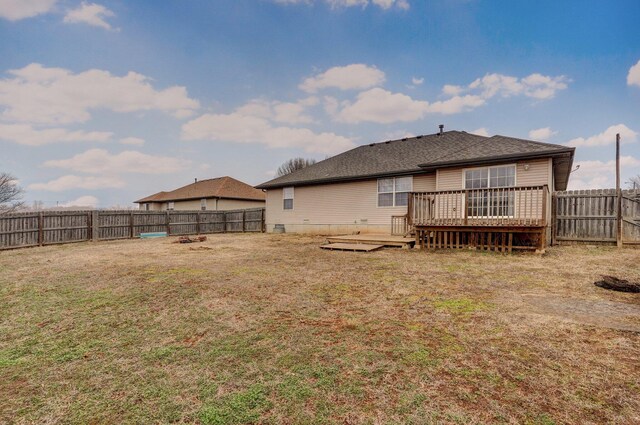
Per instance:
{"type": "Point", "coordinates": [220, 187]}
{"type": "Point", "coordinates": [424, 154]}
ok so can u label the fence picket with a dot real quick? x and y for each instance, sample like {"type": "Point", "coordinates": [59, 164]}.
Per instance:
{"type": "Point", "coordinates": [56, 227]}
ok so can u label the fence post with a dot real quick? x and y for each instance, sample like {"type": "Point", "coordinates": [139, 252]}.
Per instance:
{"type": "Point", "coordinates": [198, 223]}
{"type": "Point", "coordinates": [224, 222]}
{"type": "Point", "coordinates": [95, 225]}
{"type": "Point", "coordinates": [40, 228]}
{"type": "Point", "coordinates": [88, 225]}
{"type": "Point", "coordinates": [244, 220]}
{"type": "Point", "coordinates": [554, 220]}
{"type": "Point", "coordinates": [131, 225]}
{"type": "Point", "coordinates": [168, 222]}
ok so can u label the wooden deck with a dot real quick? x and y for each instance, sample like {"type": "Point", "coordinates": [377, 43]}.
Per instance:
{"type": "Point", "coordinates": [498, 219]}
{"type": "Point", "coordinates": [374, 239]}
{"type": "Point", "coordinates": [358, 247]}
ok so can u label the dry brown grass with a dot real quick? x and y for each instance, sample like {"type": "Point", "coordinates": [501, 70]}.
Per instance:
{"type": "Point", "coordinates": [271, 329]}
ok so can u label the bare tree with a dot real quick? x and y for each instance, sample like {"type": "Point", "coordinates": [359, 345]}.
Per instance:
{"type": "Point", "coordinates": [10, 194]}
{"type": "Point", "coordinates": [634, 182]}
{"type": "Point", "coordinates": [294, 164]}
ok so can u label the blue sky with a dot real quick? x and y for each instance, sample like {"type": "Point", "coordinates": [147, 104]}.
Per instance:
{"type": "Point", "coordinates": [105, 102]}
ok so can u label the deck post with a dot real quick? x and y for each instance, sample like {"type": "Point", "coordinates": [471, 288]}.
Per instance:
{"type": "Point", "coordinates": [466, 207]}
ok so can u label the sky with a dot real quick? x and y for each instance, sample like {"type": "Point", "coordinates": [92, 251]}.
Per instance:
{"type": "Point", "coordinates": [103, 103]}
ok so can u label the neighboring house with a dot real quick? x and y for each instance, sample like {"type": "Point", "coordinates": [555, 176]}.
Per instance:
{"type": "Point", "coordinates": [222, 193]}
{"type": "Point", "coordinates": [463, 179]}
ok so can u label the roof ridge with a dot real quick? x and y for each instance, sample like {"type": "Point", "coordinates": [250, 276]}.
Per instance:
{"type": "Point", "coordinates": [529, 141]}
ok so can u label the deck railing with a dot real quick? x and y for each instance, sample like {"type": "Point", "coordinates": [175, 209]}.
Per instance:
{"type": "Point", "coordinates": [505, 206]}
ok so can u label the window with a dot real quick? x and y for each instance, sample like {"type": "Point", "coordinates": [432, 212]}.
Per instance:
{"type": "Point", "coordinates": [145, 207]}
{"type": "Point", "coordinates": [287, 197]}
{"type": "Point", "coordinates": [170, 205]}
{"type": "Point", "coordinates": [488, 200]}
{"type": "Point", "coordinates": [203, 204]}
{"type": "Point", "coordinates": [394, 191]}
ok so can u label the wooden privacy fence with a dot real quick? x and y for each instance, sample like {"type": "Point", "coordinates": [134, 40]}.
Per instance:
{"type": "Point", "coordinates": [56, 227]}
{"type": "Point", "coordinates": [591, 216]}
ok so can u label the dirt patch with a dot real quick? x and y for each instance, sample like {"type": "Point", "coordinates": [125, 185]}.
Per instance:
{"type": "Point", "coordinates": [603, 313]}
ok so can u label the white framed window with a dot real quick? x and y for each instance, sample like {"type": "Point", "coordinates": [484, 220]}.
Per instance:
{"type": "Point", "coordinates": [287, 198]}
{"type": "Point", "coordinates": [145, 207]}
{"type": "Point", "coordinates": [485, 198]}
{"type": "Point", "coordinates": [170, 205]}
{"type": "Point", "coordinates": [203, 204]}
{"type": "Point", "coordinates": [394, 191]}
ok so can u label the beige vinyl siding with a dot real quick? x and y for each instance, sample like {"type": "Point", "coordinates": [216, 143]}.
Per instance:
{"type": "Point", "coordinates": [538, 174]}
{"type": "Point", "coordinates": [338, 207]}
{"type": "Point", "coordinates": [212, 205]}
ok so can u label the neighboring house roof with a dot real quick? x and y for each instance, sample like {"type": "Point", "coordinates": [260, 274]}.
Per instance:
{"type": "Point", "coordinates": [424, 154]}
{"type": "Point", "coordinates": [221, 187]}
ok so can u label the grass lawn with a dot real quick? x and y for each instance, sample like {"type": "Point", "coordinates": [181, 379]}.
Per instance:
{"type": "Point", "coordinates": [271, 329]}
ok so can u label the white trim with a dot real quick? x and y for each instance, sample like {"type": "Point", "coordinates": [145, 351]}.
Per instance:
{"type": "Point", "coordinates": [291, 191]}
{"type": "Point", "coordinates": [515, 174]}
{"type": "Point", "coordinates": [393, 192]}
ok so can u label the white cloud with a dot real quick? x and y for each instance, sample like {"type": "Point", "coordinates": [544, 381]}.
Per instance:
{"type": "Point", "coordinates": [15, 10]}
{"type": "Point", "coordinates": [633, 78]}
{"type": "Point", "coordinates": [481, 132]}
{"type": "Point", "coordinates": [282, 112]}
{"type": "Point", "coordinates": [542, 133]}
{"type": "Point", "coordinates": [99, 161]}
{"type": "Point", "coordinates": [452, 90]}
{"type": "Point", "coordinates": [456, 104]}
{"type": "Point", "coordinates": [91, 14]}
{"type": "Point", "coordinates": [69, 182]}
{"type": "Point", "coordinates": [350, 77]}
{"type": "Point", "coordinates": [536, 86]}
{"type": "Point", "coordinates": [42, 95]}
{"type": "Point", "coordinates": [607, 137]}
{"type": "Point", "coordinates": [25, 134]}
{"type": "Point", "coordinates": [601, 174]}
{"type": "Point", "coordinates": [382, 106]}
{"type": "Point", "coordinates": [417, 81]}
{"type": "Point", "coordinates": [83, 201]}
{"type": "Point", "coordinates": [240, 128]}
{"type": "Point", "coordinates": [383, 4]}
{"type": "Point", "coordinates": [133, 141]}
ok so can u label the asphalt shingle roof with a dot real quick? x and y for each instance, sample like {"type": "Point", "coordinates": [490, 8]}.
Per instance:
{"type": "Point", "coordinates": [415, 154]}
{"type": "Point", "coordinates": [220, 187]}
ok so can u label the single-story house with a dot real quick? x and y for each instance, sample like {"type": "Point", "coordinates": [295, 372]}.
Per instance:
{"type": "Point", "coordinates": [219, 194]}
{"type": "Point", "coordinates": [447, 178]}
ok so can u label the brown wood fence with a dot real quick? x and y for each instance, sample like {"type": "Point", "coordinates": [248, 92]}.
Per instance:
{"type": "Point", "coordinates": [57, 227]}
{"type": "Point", "coordinates": [590, 216]}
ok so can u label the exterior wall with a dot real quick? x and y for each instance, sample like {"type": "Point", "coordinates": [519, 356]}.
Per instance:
{"type": "Point", "coordinates": [212, 205]}
{"type": "Point", "coordinates": [337, 208]}
{"type": "Point", "coordinates": [539, 173]}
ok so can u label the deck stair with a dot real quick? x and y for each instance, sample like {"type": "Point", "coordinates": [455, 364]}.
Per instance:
{"type": "Point", "coordinates": [377, 240]}
{"type": "Point", "coordinates": [356, 247]}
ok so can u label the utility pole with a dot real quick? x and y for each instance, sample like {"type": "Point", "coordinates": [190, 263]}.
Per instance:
{"type": "Point", "coordinates": [618, 195]}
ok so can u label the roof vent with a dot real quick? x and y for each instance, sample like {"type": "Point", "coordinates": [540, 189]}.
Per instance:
{"type": "Point", "coordinates": [419, 137]}
{"type": "Point", "coordinates": [441, 126]}
{"type": "Point", "coordinates": [404, 139]}
{"type": "Point", "coordinates": [196, 180]}
{"type": "Point", "coordinates": [372, 144]}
